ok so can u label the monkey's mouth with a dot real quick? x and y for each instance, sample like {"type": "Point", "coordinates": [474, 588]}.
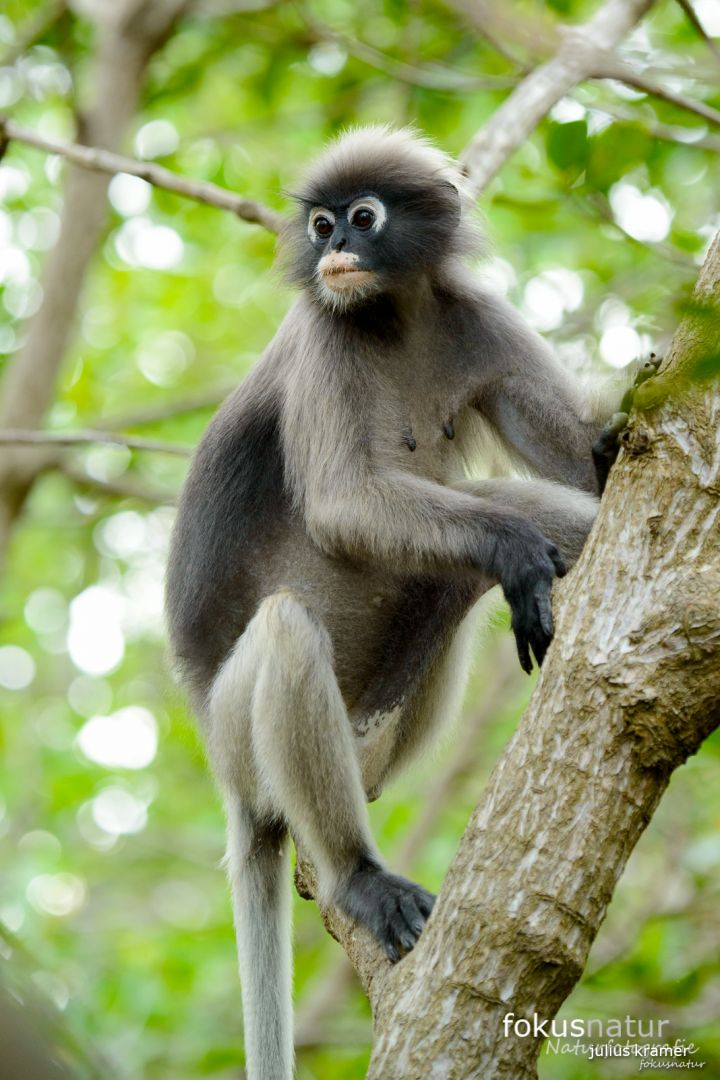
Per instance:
{"type": "Point", "coordinates": [339, 271]}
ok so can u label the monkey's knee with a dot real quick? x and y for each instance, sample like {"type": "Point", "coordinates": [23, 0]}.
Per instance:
{"type": "Point", "coordinates": [289, 631]}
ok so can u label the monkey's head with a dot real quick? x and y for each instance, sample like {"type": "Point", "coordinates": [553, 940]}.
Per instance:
{"type": "Point", "coordinates": [378, 209]}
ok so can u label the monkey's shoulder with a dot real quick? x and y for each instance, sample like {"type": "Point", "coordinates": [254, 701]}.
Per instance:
{"type": "Point", "coordinates": [476, 321]}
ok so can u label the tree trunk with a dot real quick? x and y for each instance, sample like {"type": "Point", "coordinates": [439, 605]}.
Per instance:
{"type": "Point", "coordinates": [126, 42]}
{"type": "Point", "coordinates": [629, 689]}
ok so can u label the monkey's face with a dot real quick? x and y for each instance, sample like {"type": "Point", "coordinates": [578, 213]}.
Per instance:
{"type": "Point", "coordinates": [377, 211]}
{"type": "Point", "coordinates": [378, 241]}
{"type": "Point", "coordinates": [346, 239]}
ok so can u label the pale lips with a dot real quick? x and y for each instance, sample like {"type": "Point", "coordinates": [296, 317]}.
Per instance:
{"type": "Point", "coordinates": [338, 271]}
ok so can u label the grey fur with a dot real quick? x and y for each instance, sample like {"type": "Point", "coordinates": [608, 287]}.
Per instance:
{"type": "Point", "coordinates": [329, 546]}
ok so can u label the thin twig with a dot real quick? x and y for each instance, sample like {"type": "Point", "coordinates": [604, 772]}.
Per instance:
{"type": "Point", "coordinates": [430, 76]}
{"type": "Point", "coordinates": [124, 487]}
{"type": "Point", "coordinates": [98, 160]}
{"type": "Point", "coordinates": [155, 414]}
{"type": "Point", "coordinates": [19, 437]}
{"type": "Point", "coordinates": [693, 17]}
{"type": "Point", "coordinates": [597, 203]}
{"type": "Point", "coordinates": [624, 73]}
{"type": "Point", "coordinates": [37, 27]}
{"type": "Point", "coordinates": [683, 136]}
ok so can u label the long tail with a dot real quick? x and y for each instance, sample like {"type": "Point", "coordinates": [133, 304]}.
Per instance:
{"type": "Point", "coordinates": [258, 867]}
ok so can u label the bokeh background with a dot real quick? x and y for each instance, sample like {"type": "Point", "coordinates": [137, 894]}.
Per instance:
{"type": "Point", "coordinates": [114, 916]}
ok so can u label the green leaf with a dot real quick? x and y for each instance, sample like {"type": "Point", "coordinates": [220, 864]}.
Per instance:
{"type": "Point", "coordinates": [567, 145]}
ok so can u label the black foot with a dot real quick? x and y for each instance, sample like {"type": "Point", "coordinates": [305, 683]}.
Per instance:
{"type": "Point", "coordinates": [391, 907]}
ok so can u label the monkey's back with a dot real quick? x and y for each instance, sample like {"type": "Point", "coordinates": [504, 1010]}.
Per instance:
{"type": "Point", "coordinates": [231, 512]}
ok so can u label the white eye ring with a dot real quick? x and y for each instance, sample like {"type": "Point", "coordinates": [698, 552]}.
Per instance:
{"type": "Point", "coordinates": [319, 212]}
{"type": "Point", "coordinates": [369, 202]}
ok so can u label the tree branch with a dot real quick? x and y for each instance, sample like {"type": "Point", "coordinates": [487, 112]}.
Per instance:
{"type": "Point", "coordinates": [168, 410]}
{"type": "Point", "coordinates": [126, 39]}
{"type": "Point", "coordinates": [581, 50]}
{"type": "Point", "coordinates": [37, 27]}
{"type": "Point", "coordinates": [629, 689]}
{"type": "Point", "coordinates": [682, 136]}
{"type": "Point", "coordinates": [18, 437]}
{"type": "Point", "coordinates": [123, 487]}
{"type": "Point", "coordinates": [97, 160]}
{"type": "Point", "coordinates": [430, 76]}
{"type": "Point", "coordinates": [614, 69]}
{"type": "Point", "coordinates": [689, 10]}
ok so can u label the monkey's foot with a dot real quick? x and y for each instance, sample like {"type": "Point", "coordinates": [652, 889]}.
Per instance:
{"type": "Point", "coordinates": [394, 909]}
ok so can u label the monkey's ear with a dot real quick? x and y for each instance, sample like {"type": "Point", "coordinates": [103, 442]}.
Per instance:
{"type": "Point", "coordinates": [454, 199]}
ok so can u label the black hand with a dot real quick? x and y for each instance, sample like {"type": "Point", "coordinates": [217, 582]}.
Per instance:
{"type": "Point", "coordinates": [527, 584]}
{"type": "Point", "coordinates": [606, 447]}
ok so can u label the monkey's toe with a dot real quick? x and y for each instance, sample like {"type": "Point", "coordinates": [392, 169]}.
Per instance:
{"type": "Point", "coordinates": [391, 907]}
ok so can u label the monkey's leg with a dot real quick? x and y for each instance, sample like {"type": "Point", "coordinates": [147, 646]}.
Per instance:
{"type": "Point", "coordinates": [306, 766]}
{"type": "Point", "coordinates": [563, 514]}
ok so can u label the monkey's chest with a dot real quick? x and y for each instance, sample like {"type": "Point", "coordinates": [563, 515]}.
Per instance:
{"type": "Point", "coordinates": [425, 434]}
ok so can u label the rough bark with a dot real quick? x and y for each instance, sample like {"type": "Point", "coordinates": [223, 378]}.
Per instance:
{"type": "Point", "coordinates": [126, 42]}
{"type": "Point", "coordinates": [629, 689]}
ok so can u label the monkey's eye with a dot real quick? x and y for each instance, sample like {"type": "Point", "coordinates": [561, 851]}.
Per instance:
{"type": "Point", "coordinates": [320, 223]}
{"type": "Point", "coordinates": [367, 213]}
{"type": "Point", "coordinates": [323, 226]}
{"type": "Point", "coordinates": [363, 218]}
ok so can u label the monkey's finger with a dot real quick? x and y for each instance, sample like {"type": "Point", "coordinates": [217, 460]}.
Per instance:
{"type": "Point", "coordinates": [412, 915]}
{"type": "Point", "coordinates": [399, 931]}
{"type": "Point", "coordinates": [391, 952]}
{"type": "Point", "coordinates": [557, 561]}
{"type": "Point", "coordinates": [523, 649]}
{"type": "Point", "coordinates": [425, 901]}
{"type": "Point", "coordinates": [607, 439]}
{"type": "Point", "coordinates": [407, 939]}
{"type": "Point", "coordinates": [539, 648]}
{"type": "Point", "coordinates": [544, 611]}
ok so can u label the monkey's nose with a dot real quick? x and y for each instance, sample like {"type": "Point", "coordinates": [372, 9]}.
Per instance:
{"type": "Point", "coordinates": [340, 244]}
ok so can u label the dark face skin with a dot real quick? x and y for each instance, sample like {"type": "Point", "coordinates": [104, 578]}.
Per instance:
{"type": "Point", "coordinates": [362, 241]}
{"type": "Point", "coordinates": [355, 227]}
{"type": "Point", "coordinates": [348, 238]}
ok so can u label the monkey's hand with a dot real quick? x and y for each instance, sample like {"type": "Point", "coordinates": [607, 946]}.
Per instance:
{"type": "Point", "coordinates": [529, 564]}
{"type": "Point", "coordinates": [607, 445]}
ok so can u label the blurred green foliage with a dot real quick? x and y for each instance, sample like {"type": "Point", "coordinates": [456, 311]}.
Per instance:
{"type": "Point", "coordinates": [112, 903]}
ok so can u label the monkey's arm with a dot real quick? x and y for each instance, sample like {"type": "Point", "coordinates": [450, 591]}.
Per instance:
{"type": "Point", "coordinates": [544, 415]}
{"type": "Point", "coordinates": [413, 525]}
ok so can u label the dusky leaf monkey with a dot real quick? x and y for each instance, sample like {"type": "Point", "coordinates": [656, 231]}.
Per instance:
{"type": "Point", "coordinates": [330, 546]}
